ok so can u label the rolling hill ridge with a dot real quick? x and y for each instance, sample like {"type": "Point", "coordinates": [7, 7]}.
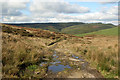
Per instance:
{"type": "Point", "coordinates": [68, 28]}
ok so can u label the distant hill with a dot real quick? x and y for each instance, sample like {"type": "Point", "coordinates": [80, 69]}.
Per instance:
{"type": "Point", "coordinates": [106, 32]}
{"type": "Point", "coordinates": [56, 27]}
{"type": "Point", "coordinates": [34, 32]}
{"type": "Point", "coordinates": [68, 28]}
{"type": "Point", "coordinates": [86, 28]}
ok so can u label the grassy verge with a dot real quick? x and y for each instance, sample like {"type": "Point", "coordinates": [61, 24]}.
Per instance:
{"type": "Point", "coordinates": [104, 60]}
{"type": "Point", "coordinates": [102, 53]}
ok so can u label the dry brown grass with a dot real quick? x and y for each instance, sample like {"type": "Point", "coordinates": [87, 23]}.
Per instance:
{"type": "Point", "coordinates": [100, 51]}
{"type": "Point", "coordinates": [20, 52]}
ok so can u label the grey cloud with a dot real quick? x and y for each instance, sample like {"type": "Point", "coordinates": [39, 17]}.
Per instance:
{"type": "Point", "coordinates": [58, 7]}
{"type": "Point", "coordinates": [107, 3]}
{"type": "Point", "coordinates": [12, 8]}
{"type": "Point", "coordinates": [56, 12]}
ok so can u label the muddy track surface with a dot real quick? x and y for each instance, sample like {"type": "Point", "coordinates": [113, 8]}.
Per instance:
{"type": "Point", "coordinates": [70, 66]}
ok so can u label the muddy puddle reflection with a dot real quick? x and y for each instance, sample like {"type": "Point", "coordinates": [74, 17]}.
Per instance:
{"type": "Point", "coordinates": [56, 65]}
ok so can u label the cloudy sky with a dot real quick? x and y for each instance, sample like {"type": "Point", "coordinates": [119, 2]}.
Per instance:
{"type": "Point", "coordinates": [41, 11]}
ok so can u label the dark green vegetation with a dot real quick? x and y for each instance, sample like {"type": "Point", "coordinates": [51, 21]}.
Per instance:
{"type": "Point", "coordinates": [106, 32]}
{"type": "Point", "coordinates": [69, 28]}
{"type": "Point", "coordinates": [22, 32]}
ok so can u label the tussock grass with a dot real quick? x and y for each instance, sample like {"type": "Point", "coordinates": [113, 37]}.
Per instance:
{"type": "Point", "coordinates": [21, 54]}
{"type": "Point", "coordinates": [100, 51]}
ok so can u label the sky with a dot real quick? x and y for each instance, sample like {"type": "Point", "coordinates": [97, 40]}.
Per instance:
{"type": "Point", "coordinates": [44, 11]}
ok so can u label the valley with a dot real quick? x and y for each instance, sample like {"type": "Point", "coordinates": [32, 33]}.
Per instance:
{"type": "Point", "coordinates": [67, 28]}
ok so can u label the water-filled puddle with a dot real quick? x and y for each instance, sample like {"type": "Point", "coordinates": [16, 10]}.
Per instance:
{"type": "Point", "coordinates": [56, 65]}
{"type": "Point", "coordinates": [58, 68]}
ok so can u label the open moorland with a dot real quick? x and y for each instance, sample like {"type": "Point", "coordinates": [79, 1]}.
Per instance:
{"type": "Point", "coordinates": [36, 53]}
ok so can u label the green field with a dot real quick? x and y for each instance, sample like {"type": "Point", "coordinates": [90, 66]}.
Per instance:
{"type": "Point", "coordinates": [85, 28]}
{"type": "Point", "coordinates": [106, 32]}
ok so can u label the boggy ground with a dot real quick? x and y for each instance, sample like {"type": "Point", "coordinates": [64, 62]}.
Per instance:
{"type": "Point", "coordinates": [101, 52]}
{"type": "Point", "coordinates": [76, 68]}
{"type": "Point", "coordinates": [38, 55]}
{"type": "Point", "coordinates": [79, 68]}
